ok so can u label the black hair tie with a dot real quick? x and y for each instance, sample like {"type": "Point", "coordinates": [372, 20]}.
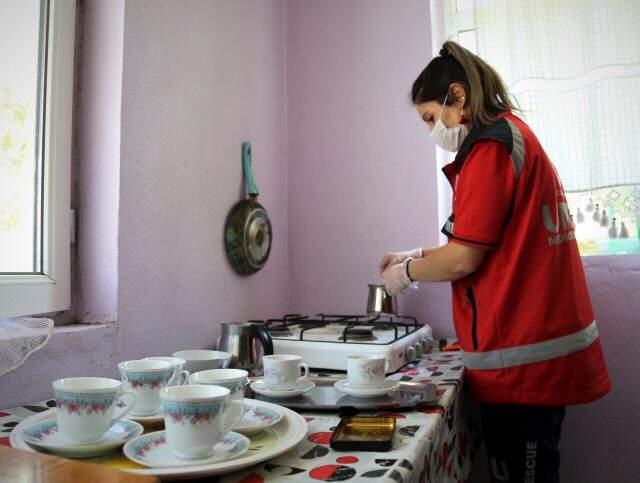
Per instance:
{"type": "Point", "coordinates": [444, 52]}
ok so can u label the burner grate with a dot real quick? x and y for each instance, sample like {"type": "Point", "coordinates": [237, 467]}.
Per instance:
{"type": "Point", "coordinates": [357, 328]}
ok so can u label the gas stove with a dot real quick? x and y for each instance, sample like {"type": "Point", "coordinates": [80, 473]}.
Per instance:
{"type": "Point", "coordinates": [325, 340]}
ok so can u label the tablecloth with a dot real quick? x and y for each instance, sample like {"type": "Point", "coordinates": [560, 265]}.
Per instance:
{"type": "Point", "coordinates": [434, 444]}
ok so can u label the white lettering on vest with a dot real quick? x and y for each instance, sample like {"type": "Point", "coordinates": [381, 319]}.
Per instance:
{"type": "Point", "coordinates": [561, 238]}
{"type": "Point", "coordinates": [556, 217]}
{"type": "Point", "coordinates": [530, 462]}
{"type": "Point", "coordinates": [499, 474]}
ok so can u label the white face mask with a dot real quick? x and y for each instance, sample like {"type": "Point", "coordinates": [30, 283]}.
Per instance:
{"type": "Point", "coordinates": [448, 138]}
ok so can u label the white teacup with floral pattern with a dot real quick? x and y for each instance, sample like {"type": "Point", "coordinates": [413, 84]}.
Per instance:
{"type": "Point", "coordinates": [146, 378]}
{"type": "Point", "coordinates": [233, 379]}
{"type": "Point", "coordinates": [282, 371]}
{"type": "Point", "coordinates": [180, 376]}
{"type": "Point", "coordinates": [85, 406]}
{"type": "Point", "coordinates": [196, 417]}
{"type": "Point", "coordinates": [366, 371]}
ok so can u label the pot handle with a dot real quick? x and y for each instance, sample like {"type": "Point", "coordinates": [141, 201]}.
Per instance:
{"type": "Point", "coordinates": [265, 338]}
{"type": "Point", "coordinates": [252, 188]}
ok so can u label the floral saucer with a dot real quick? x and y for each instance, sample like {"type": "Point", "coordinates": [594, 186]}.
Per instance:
{"type": "Point", "coordinates": [387, 387]}
{"type": "Point", "coordinates": [301, 387]}
{"type": "Point", "coordinates": [45, 436]}
{"type": "Point", "coordinates": [148, 420]}
{"type": "Point", "coordinates": [257, 418]}
{"type": "Point", "coordinates": [153, 450]}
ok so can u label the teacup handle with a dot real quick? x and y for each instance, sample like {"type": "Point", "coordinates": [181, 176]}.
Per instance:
{"type": "Point", "coordinates": [127, 408]}
{"type": "Point", "coordinates": [232, 413]}
{"type": "Point", "coordinates": [184, 375]}
{"type": "Point", "coordinates": [305, 367]}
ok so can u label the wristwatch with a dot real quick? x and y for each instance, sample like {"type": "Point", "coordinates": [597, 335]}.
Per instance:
{"type": "Point", "coordinates": [405, 265]}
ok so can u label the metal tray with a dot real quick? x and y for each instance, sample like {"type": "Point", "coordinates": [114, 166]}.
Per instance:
{"type": "Point", "coordinates": [325, 397]}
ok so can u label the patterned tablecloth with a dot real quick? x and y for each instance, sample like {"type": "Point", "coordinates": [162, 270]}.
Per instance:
{"type": "Point", "coordinates": [433, 444]}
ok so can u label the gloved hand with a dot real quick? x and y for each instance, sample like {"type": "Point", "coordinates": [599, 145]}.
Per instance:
{"type": "Point", "coordinates": [393, 258]}
{"type": "Point", "coordinates": [395, 279]}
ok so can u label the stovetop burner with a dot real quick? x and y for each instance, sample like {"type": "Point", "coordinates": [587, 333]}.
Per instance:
{"type": "Point", "coordinates": [342, 328]}
{"type": "Point", "coordinates": [359, 335]}
{"type": "Point", "coordinates": [280, 331]}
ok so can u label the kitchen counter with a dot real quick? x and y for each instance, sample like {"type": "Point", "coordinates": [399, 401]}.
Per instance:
{"type": "Point", "coordinates": [436, 443]}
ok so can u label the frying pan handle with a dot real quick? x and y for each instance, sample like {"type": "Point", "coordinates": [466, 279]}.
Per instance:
{"type": "Point", "coordinates": [252, 188]}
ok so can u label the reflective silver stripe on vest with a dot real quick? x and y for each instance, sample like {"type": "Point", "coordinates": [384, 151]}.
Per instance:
{"type": "Point", "coordinates": [449, 226]}
{"type": "Point", "coordinates": [526, 354]}
{"type": "Point", "coordinates": [517, 151]}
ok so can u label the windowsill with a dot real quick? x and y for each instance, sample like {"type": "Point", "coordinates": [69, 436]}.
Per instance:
{"type": "Point", "coordinates": [602, 257]}
{"type": "Point", "coordinates": [72, 329]}
{"type": "Point", "coordinates": [75, 328]}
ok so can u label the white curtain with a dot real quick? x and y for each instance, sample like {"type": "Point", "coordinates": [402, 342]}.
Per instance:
{"type": "Point", "coordinates": [574, 67]}
{"type": "Point", "coordinates": [19, 338]}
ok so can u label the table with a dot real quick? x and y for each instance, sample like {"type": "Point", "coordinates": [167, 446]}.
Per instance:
{"type": "Point", "coordinates": [26, 467]}
{"type": "Point", "coordinates": [435, 444]}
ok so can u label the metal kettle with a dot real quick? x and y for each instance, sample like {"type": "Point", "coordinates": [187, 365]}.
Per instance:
{"type": "Point", "coordinates": [238, 339]}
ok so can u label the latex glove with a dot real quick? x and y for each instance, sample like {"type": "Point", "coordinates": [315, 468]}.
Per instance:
{"type": "Point", "coordinates": [395, 279]}
{"type": "Point", "coordinates": [393, 258]}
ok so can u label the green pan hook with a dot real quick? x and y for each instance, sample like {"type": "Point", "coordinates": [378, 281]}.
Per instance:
{"type": "Point", "coordinates": [252, 188]}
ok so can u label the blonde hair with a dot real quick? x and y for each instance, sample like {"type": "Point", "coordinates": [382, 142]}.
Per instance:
{"type": "Point", "coordinates": [486, 96]}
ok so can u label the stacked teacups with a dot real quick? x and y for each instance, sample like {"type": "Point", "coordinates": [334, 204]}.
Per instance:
{"type": "Point", "coordinates": [180, 376]}
{"type": "Point", "coordinates": [196, 418]}
{"type": "Point", "coordinates": [197, 360]}
{"type": "Point", "coordinates": [85, 406]}
{"type": "Point", "coordinates": [366, 371]}
{"type": "Point", "coordinates": [233, 379]}
{"type": "Point", "coordinates": [145, 378]}
{"type": "Point", "coordinates": [282, 371]}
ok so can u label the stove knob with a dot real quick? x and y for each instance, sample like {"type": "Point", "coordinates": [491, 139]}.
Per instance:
{"type": "Point", "coordinates": [411, 354]}
{"type": "Point", "coordinates": [419, 350]}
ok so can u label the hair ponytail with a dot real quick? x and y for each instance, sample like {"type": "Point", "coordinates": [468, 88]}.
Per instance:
{"type": "Point", "coordinates": [486, 93]}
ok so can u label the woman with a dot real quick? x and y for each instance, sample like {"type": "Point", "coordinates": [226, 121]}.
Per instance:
{"type": "Point", "coordinates": [521, 308]}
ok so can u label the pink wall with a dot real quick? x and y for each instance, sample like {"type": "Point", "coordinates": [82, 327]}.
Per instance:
{"type": "Point", "coordinates": [97, 157]}
{"type": "Point", "coordinates": [599, 441]}
{"type": "Point", "coordinates": [198, 80]}
{"type": "Point", "coordinates": [362, 168]}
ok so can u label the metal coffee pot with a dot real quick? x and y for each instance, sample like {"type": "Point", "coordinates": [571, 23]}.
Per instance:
{"type": "Point", "coordinates": [380, 302]}
{"type": "Point", "coordinates": [239, 339]}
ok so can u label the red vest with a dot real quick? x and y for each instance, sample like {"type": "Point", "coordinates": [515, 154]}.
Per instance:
{"type": "Point", "coordinates": [524, 318]}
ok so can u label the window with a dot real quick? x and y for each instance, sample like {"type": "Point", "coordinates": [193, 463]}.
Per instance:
{"type": "Point", "coordinates": [574, 68]}
{"type": "Point", "coordinates": [36, 89]}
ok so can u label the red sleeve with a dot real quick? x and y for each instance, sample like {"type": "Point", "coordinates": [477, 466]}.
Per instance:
{"type": "Point", "coordinates": [483, 196]}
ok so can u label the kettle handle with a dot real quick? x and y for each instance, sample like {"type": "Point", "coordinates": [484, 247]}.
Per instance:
{"type": "Point", "coordinates": [265, 338]}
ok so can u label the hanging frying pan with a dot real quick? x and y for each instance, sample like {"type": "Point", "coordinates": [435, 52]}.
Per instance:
{"type": "Point", "coordinates": [247, 231]}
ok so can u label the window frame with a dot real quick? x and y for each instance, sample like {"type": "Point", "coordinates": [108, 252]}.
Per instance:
{"type": "Point", "coordinates": [446, 24]}
{"type": "Point", "coordinates": [25, 294]}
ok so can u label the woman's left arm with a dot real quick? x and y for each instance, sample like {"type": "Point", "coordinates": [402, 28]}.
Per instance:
{"type": "Point", "coordinates": [447, 263]}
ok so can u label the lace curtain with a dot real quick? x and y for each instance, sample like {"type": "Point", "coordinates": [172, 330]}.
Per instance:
{"type": "Point", "coordinates": [19, 338]}
{"type": "Point", "coordinates": [574, 67]}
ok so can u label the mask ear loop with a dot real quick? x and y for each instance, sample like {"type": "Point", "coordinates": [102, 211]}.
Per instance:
{"type": "Point", "coordinates": [443, 106]}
